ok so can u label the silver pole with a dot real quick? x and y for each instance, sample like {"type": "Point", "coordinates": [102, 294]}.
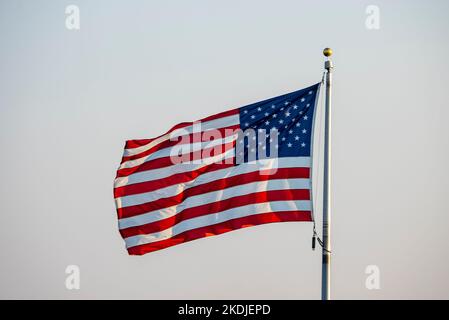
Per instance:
{"type": "Point", "coordinates": [326, 267]}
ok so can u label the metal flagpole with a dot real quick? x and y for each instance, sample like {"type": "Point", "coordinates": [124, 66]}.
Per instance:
{"type": "Point", "coordinates": [326, 266]}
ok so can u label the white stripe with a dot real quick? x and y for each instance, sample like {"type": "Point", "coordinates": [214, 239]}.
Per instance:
{"type": "Point", "coordinates": [210, 197]}
{"type": "Point", "coordinates": [160, 173]}
{"type": "Point", "coordinates": [187, 148]}
{"type": "Point", "coordinates": [260, 165]}
{"type": "Point", "coordinates": [212, 124]}
{"type": "Point", "coordinates": [215, 218]}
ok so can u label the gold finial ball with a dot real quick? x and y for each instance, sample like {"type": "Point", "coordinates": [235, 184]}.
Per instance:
{"type": "Point", "coordinates": [327, 52]}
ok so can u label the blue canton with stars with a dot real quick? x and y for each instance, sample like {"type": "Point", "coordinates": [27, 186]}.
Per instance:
{"type": "Point", "coordinates": [290, 114]}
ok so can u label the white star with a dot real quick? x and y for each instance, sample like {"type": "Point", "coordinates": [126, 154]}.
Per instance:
{"type": "Point", "coordinates": [283, 139]}
{"type": "Point", "coordinates": [298, 124]}
{"type": "Point", "coordinates": [273, 106]}
{"type": "Point", "coordinates": [289, 145]}
{"type": "Point", "coordinates": [287, 114]}
{"type": "Point", "coordinates": [253, 116]}
{"type": "Point", "coordinates": [281, 121]}
{"type": "Point", "coordinates": [308, 105]}
{"type": "Point", "coordinates": [282, 108]}
{"type": "Point", "coordinates": [275, 115]}
{"type": "Point", "coordinates": [296, 138]}
{"type": "Point", "coordinates": [305, 117]}
{"type": "Point", "coordinates": [300, 112]}
{"type": "Point", "coordinates": [245, 111]}
{"type": "Point", "coordinates": [286, 103]}
{"type": "Point", "coordinates": [303, 144]}
{"type": "Point", "coordinates": [304, 131]}
{"type": "Point", "coordinates": [266, 114]}
{"type": "Point", "coordinates": [290, 131]}
{"type": "Point", "coordinates": [295, 107]}
{"type": "Point", "coordinates": [302, 99]}
{"type": "Point", "coordinates": [246, 124]}
{"type": "Point", "coordinates": [310, 92]}
{"type": "Point", "coordinates": [259, 109]}
{"type": "Point", "coordinates": [267, 122]}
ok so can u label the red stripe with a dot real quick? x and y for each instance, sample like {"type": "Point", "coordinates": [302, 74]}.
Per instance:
{"type": "Point", "coordinates": [219, 206]}
{"type": "Point", "coordinates": [281, 173]}
{"type": "Point", "coordinates": [136, 143]}
{"type": "Point", "coordinates": [184, 139]}
{"type": "Point", "coordinates": [169, 161]}
{"type": "Point", "coordinates": [223, 114]}
{"type": "Point", "coordinates": [212, 230]}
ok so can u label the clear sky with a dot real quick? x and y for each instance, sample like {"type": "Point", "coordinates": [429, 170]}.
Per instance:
{"type": "Point", "coordinates": [70, 98]}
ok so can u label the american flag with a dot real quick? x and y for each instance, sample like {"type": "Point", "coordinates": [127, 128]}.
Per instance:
{"type": "Point", "coordinates": [239, 168]}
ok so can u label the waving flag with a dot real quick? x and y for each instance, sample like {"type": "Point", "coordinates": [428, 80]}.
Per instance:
{"type": "Point", "coordinates": [240, 168]}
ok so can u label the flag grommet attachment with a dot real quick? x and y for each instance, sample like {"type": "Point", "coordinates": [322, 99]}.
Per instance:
{"type": "Point", "coordinates": [327, 52]}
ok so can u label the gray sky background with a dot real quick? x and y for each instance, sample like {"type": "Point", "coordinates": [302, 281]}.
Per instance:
{"type": "Point", "coordinates": [69, 100]}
